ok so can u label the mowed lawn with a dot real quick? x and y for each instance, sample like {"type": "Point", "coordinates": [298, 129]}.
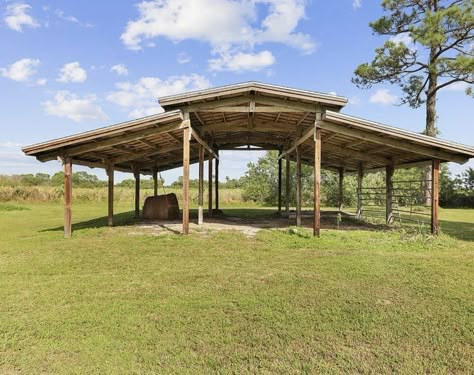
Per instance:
{"type": "Point", "coordinates": [118, 300]}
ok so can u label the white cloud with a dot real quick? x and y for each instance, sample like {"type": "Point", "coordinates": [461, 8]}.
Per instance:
{"type": "Point", "coordinates": [120, 69]}
{"type": "Point", "coordinates": [356, 4]}
{"type": "Point", "coordinates": [242, 61]}
{"type": "Point", "coordinates": [16, 17]}
{"type": "Point", "coordinates": [405, 39]}
{"type": "Point", "coordinates": [183, 58]}
{"type": "Point", "coordinates": [60, 14]}
{"type": "Point", "coordinates": [458, 86]}
{"type": "Point", "coordinates": [20, 70]}
{"type": "Point", "coordinates": [41, 81]}
{"type": "Point", "coordinates": [229, 26]}
{"type": "Point", "coordinates": [384, 97]}
{"type": "Point", "coordinates": [73, 107]}
{"type": "Point", "coordinates": [141, 97]}
{"type": "Point", "coordinates": [72, 72]}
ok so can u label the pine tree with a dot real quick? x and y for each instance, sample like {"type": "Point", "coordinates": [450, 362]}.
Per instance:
{"type": "Point", "coordinates": [430, 47]}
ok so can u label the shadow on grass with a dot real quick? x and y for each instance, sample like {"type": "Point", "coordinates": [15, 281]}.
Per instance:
{"type": "Point", "coordinates": [121, 219]}
{"type": "Point", "coordinates": [269, 218]}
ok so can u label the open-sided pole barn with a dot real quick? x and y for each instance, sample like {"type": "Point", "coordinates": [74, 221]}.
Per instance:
{"type": "Point", "coordinates": [304, 126]}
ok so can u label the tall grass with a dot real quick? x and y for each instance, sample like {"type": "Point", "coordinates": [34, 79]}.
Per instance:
{"type": "Point", "coordinates": [56, 194]}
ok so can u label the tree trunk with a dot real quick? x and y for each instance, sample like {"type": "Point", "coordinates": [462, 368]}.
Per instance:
{"type": "Point", "coordinates": [430, 129]}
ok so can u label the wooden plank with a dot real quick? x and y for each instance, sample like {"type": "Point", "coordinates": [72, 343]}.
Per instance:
{"type": "Point", "coordinates": [298, 186]}
{"type": "Point", "coordinates": [110, 195]}
{"type": "Point", "coordinates": [317, 182]}
{"type": "Point", "coordinates": [199, 107]}
{"type": "Point", "coordinates": [136, 174]}
{"type": "Point", "coordinates": [145, 154]}
{"type": "Point", "coordinates": [394, 143]}
{"type": "Point", "coordinates": [216, 183]}
{"type": "Point", "coordinates": [435, 196]}
{"type": "Point", "coordinates": [360, 181]}
{"type": "Point", "coordinates": [186, 137]}
{"type": "Point", "coordinates": [201, 186]}
{"type": "Point", "coordinates": [209, 177]}
{"type": "Point", "coordinates": [341, 189]}
{"type": "Point", "coordinates": [280, 161]}
{"type": "Point", "coordinates": [248, 109]}
{"type": "Point", "coordinates": [203, 143]}
{"type": "Point", "coordinates": [389, 194]}
{"type": "Point", "coordinates": [109, 142]}
{"type": "Point", "coordinates": [287, 186]}
{"type": "Point", "coordinates": [298, 142]}
{"type": "Point", "coordinates": [67, 164]}
{"type": "Point", "coordinates": [155, 180]}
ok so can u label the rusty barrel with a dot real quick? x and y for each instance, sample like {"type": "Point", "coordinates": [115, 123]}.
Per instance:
{"type": "Point", "coordinates": [161, 207]}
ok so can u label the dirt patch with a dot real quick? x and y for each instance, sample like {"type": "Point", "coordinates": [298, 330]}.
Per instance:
{"type": "Point", "coordinates": [249, 227]}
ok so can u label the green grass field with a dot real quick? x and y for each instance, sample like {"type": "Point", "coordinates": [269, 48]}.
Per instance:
{"type": "Point", "coordinates": [113, 301]}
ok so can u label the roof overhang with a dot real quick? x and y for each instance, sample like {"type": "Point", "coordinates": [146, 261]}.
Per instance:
{"type": "Point", "coordinates": [266, 117]}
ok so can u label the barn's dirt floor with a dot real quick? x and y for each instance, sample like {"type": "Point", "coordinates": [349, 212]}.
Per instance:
{"type": "Point", "coordinates": [251, 226]}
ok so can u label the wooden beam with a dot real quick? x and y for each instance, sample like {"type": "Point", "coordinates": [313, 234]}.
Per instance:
{"type": "Point", "coordinates": [136, 174]}
{"type": "Point", "coordinates": [287, 186]}
{"type": "Point", "coordinates": [200, 107]}
{"type": "Point", "coordinates": [216, 183]}
{"type": "Point", "coordinates": [341, 189]}
{"type": "Point", "coordinates": [298, 186]}
{"type": "Point", "coordinates": [110, 195]}
{"type": "Point", "coordinates": [435, 196]}
{"type": "Point", "coordinates": [280, 161]}
{"type": "Point", "coordinates": [357, 155]}
{"type": "Point", "coordinates": [248, 109]}
{"type": "Point", "coordinates": [298, 142]}
{"type": "Point", "coordinates": [289, 105]}
{"type": "Point", "coordinates": [209, 178]}
{"type": "Point", "coordinates": [389, 194]}
{"type": "Point", "coordinates": [203, 143]}
{"type": "Point", "coordinates": [155, 180]}
{"type": "Point", "coordinates": [317, 183]}
{"type": "Point", "coordinates": [394, 143]}
{"type": "Point", "coordinates": [201, 186]}
{"type": "Point", "coordinates": [355, 143]}
{"type": "Point", "coordinates": [116, 140]}
{"type": "Point", "coordinates": [67, 197]}
{"type": "Point", "coordinates": [149, 144]}
{"type": "Point", "coordinates": [186, 148]}
{"type": "Point", "coordinates": [145, 154]}
{"type": "Point", "coordinates": [360, 181]}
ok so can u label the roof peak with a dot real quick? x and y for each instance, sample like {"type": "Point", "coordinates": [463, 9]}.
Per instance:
{"type": "Point", "coordinates": [242, 87]}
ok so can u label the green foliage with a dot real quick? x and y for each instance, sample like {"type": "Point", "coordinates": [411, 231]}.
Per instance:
{"type": "Point", "coordinates": [442, 52]}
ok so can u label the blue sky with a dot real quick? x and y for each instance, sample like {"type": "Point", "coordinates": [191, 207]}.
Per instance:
{"type": "Point", "coordinates": [71, 66]}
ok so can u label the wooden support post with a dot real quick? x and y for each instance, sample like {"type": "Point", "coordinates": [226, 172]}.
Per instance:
{"type": "Point", "coordinates": [389, 194]}
{"type": "Point", "coordinates": [110, 198]}
{"type": "Point", "coordinates": [341, 189]}
{"type": "Point", "coordinates": [186, 136]}
{"type": "Point", "coordinates": [287, 186]}
{"type": "Point", "coordinates": [435, 196]}
{"type": "Point", "coordinates": [136, 173]}
{"type": "Point", "coordinates": [217, 182]}
{"type": "Point", "coordinates": [201, 186]}
{"type": "Point", "coordinates": [209, 177]}
{"type": "Point", "coordinates": [67, 197]}
{"type": "Point", "coordinates": [360, 180]}
{"type": "Point", "coordinates": [317, 182]}
{"type": "Point", "coordinates": [279, 183]}
{"type": "Point", "coordinates": [155, 181]}
{"type": "Point", "coordinates": [298, 186]}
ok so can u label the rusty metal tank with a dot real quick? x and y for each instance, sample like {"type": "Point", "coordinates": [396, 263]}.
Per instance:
{"type": "Point", "coordinates": [161, 207]}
